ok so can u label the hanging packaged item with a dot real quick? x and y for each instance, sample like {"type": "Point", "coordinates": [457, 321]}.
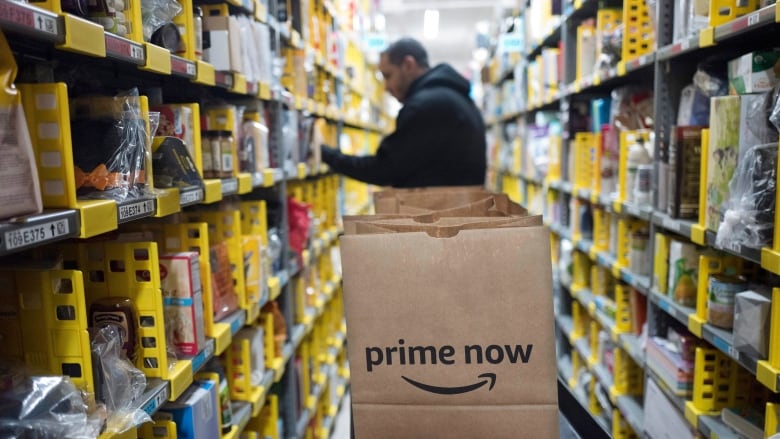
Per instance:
{"type": "Point", "coordinates": [121, 313]}
{"type": "Point", "coordinates": [21, 191]}
{"type": "Point", "coordinates": [111, 146]}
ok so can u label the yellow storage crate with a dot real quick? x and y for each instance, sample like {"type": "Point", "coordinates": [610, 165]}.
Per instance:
{"type": "Point", "coordinates": [661, 263]}
{"type": "Point", "coordinates": [52, 313]}
{"type": "Point", "coordinates": [626, 227]}
{"type": "Point", "coordinates": [723, 11]}
{"type": "Point", "coordinates": [158, 429]}
{"type": "Point", "coordinates": [638, 31]}
{"type": "Point", "coordinates": [585, 149]}
{"type": "Point", "coordinates": [768, 370]}
{"type": "Point", "coordinates": [593, 343]}
{"type": "Point", "coordinates": [623, 318]}
{"type": "Point", "coordinates": [594, 407]}
{"type": "Point", "coordinates": [239, 371]}
{"type": "Point", "coordinates": [576, 365]}
{"type": "Point", "coordinates": [629, 378]}
{"type": "Point", "coordinates": [581, 274]}
{"type": "Point", "coordinates": [601, 221]}
{"type": "Point", "coordinates": [620, 428]}
{"type": "Point", "coordinates": [580, 321]}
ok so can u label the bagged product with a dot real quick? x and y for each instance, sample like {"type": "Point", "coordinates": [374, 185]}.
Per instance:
{"type": "Point", "coordinates": [21, 192]}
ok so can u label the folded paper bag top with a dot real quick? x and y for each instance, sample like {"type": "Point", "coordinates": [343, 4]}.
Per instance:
{"type": "Point", "coordinates": [451, 337]}
{"type": "Point", "coordinates": [443, 227]}
{"type": "Point", "coordinates": [421, 201]}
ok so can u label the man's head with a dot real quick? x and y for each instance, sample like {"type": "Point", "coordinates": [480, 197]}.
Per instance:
{"type": "Point", "coordinates": [401, 63]}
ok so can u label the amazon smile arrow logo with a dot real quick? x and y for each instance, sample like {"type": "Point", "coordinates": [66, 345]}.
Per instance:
{"type": "Point", "coordinates": [489, 378]}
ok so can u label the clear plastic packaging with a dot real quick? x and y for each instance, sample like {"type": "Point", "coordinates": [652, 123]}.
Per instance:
{"type": "Point", "coordinates": [118, 382]}
{"type": "Point", "coordinates": [47, 407]}
{"type": "Point", "coordinates": [156, 14]}
{"type": "Point", "coordinates": [749, 216]}
{"type": "Point", "coordinates": [751, 322]}
{"type": "Point", "coordinates": [632, 108]}
{"type": "Point", "coordinates": [112, 146]}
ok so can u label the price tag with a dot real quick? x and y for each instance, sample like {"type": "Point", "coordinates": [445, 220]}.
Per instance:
{"type": "Point", "coordinates": [734, 247]}
{"type": "Point", "coordinates": [229, 186]}
{"type": "Point", "coordinates": [31, 235]}
{"type": "Point", "coordinates": [191, 197]}
{"type": "Point", "coordinates": [138, 209]}
{"type": "Point", "coordinates": [157, 401]}
{"type": "Point", "coordinates": [733, 353]}
{"type": "Point", "coordinates": [753, 19]}
{"type": "Point", "coordinates": [45, 23]}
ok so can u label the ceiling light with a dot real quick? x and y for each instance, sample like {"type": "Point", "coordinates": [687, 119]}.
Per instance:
{"type": "Point", "coordinates": [431, 24]}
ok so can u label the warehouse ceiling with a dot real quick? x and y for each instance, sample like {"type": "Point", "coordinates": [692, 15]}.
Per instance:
{"type": "Point", "coordinates": [457, 29]}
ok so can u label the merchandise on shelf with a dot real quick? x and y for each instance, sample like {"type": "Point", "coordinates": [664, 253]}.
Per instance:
{"type": "Point", "coordinates": [173, 164]}
{"type": "Point", "coordinates": [254, 336]}
{"type": "Point", "coordinates": [609, 39]}
{"type": "Point", "coordinates": [194, 412]}
{"type": "Point", "coordinates": [183, 122]}
{"type": "Point", "coordinates": [225, 50]}
{"type": "Point", "coordinates": [661, 416]}
{"type": "Point", "coordinates": [120, 312]}
{"type": "Point", "coordinates": [754, 72]}
{"type": "Point", "coordinates": [722, 155]}
{"type": "Point", "coordinates": [223, 291]}
{"type": "Point", "coordinates": [671, 359]}
{"type": "Point", "coordinates": [690, 16]}
{"type": "Point", "coordinates": [684, 172]}
{"type": "Point", "coordinates": [683, 270]}
{"type": "Point", "coordinates": [21, 192]}
{"type": "Point", "coordinates": [751, 322]}
{"type": "Point", "coordinates": [183, 299]}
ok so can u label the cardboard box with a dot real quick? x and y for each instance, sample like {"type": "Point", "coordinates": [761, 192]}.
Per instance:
{"type": "Point", "coordinates": [183, 301]}
{"type": "Point", "coordinates": [195, 412]}
{"type": "Point", "coordinates": [427, 359]}
{"type": "Point", "coordinates": [225, 51]}
{"type": "Point", "coordinates": [754, 72]}
{"type": "Point", "coordinates": [722, 157]}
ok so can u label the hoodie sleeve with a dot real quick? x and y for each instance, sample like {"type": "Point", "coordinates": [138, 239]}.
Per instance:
{"type": "Point", "coordinates": [400, 154]}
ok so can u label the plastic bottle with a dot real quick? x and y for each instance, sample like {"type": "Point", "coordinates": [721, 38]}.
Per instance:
{"type": "Point", "coordinates": [637, 156]}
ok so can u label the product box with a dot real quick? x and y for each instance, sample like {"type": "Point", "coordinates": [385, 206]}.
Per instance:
{"type": "Point", "coordinates": [586, 50]}
{"type": "Point", "coordinates": [751, 323]}
{"type": "Point", "coordinates": [195, 412]}
{"type": "Point", "coordinates": [722, 157]}
{"type": "Point", "coordinates": [225, 51]}
{"type": "Point", "coordinates": [183, 301]}
{"type": "Point", "coordinates": [684, 172]}
{"type": "Point", "coordinates": [754, 72]}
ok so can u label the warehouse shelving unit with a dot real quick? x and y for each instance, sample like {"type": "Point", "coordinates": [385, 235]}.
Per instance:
{"type": "Point", "coordinates": [45, 40]}
{"type": "Point", "coordinates": [667, 66]}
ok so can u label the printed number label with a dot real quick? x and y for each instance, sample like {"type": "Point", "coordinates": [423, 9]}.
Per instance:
{"type": "Point", "coordinates": [35, 234]}
{"type": "Point", "coordinates": [191, 69]}
{"type": "Point", "coordinates": [158, 400]}
{"type": "Point", "coordinates": [45, 23]}
{"type": "Point", "coordinates": [733, 352]}
{"type": "Point", "coordinates": [191, 197]}
{"type": "Point", "coordinates": [136, 52]}
{"type": "Point", "coordinates": [136, 209]}
{"type": "Point", "coordinates": [734, 247]}
{"type": "Point", "coordinates": [229, 186]}
{"type": "Point", "coordinates": [753, 19]}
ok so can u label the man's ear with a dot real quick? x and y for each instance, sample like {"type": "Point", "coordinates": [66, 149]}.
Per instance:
{"type": "Point", "coordinates": [409, 62]}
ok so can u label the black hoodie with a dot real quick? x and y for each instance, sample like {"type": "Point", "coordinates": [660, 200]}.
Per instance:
{"type": "Point", "coordinates": [439, 139]}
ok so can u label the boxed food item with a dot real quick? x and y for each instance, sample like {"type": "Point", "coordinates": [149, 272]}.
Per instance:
{"type": "Point", "coordinates": [751, 322]}
{"type": "Point", "coordinates": [195, 412]}
{"type": "Point", "coordinates": [754, 72]}
{"type": "Point", "coordinates": [225, 35]}
{"type": "Point", "coordinates": [722, 157]}
{"type": "Point", "coordinates": [183, 301]}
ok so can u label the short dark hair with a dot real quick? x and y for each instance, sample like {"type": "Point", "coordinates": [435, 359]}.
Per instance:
{"type": "Point", "coordinates": [397, 51]}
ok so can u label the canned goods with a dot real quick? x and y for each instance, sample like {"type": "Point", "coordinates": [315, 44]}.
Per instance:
{"type": "Point", "coordinates": [721, 296]}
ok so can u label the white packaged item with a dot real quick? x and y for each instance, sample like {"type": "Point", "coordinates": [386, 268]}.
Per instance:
{"type": "Point", "coordinates": [254, 335]}
{"type": "Point", "coordinates": [751, 323]}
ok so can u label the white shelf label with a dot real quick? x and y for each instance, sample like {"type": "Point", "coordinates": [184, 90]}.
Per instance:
{"type": "Point", "coordinates": [45, 23]}
{"type": "Point", "coordinates": [136, 52]}
{"type": "Point", "coordinates": [734, 247]}
{"type": "Point", "coordinates": [229, 186]}
{"type": "Point", "coordinates": [191, 69]}
{"type": "Point", "coordinates": [187, 198]}
{"type": "Point", "coordinates": [733, 353]}
{"type": "Point", "coordinates": [157, 401]}
{"type": "Point", "coordinates": [753, 19]}
{"type": "Point", "coordinates": [136, 209]}
{"type": "Point", "coordinates": [36, 234]}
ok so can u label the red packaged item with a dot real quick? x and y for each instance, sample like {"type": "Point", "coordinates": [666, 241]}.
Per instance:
{"type": "Point", "coordinates": [223, 294]}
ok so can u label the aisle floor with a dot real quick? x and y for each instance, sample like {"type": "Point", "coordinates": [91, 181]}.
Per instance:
{"type": "Point", "coordinates": [341, 427]}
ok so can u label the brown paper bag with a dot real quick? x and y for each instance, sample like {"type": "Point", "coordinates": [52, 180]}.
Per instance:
{"type": "Point", "coordinates": [422, 201]}
{"type": "Point", "coordinates": [451, 337]}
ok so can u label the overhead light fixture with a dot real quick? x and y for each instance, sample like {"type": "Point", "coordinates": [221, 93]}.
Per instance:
{"type": "Point", "coordinates": [431, 24]}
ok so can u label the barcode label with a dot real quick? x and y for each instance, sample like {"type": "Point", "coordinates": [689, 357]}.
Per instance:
{"type": "Point", "coordinates": [157, 401]}
{"type": "Point", "coordinates": [187, 198]}
{"type": "Point", "coordinates": [140, 208]}
{"type": "Point", "coordinates": [36, 234]}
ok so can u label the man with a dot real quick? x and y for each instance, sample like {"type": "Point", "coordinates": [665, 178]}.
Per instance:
{"type": "Point", "coordinates": [440, 136]}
